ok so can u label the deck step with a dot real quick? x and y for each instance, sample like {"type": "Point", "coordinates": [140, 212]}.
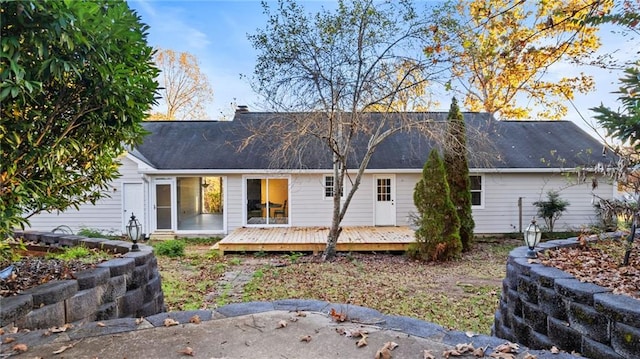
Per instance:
{"type": "Point", "coordinates": [163, 236]}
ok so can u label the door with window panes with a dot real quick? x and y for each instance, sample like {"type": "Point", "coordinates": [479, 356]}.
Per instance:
{"type": "Point", "coordinates": [385, 209]}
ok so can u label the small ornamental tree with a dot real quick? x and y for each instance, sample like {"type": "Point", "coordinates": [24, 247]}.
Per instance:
{"type": "Point", "coordinates": [551, 209]}
{"type": "Point", "coordinates": [457, 167]}
{"type": "Point", "coordinates": [438, 234]}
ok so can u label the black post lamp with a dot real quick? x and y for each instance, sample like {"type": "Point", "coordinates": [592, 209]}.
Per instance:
{"type": "Point", "coordinates": [532, 237]}
{"type": "Point", "coordinates": [133, 230]}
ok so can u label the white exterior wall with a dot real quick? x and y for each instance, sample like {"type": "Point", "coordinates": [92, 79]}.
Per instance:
{"type": "Point", "coordinates": [106, 215]}
{"type": "Point", "coordinates": [234, 208]}
{"type": "Point", "coordinates": [308, 206]}
{"type": "Point", "coordinates": [500, 213]}
{"type": "Point", "coordinates": [405, 184]}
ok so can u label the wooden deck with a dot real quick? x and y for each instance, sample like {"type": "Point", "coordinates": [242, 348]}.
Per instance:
{"type": "Point", "coordinates": [314, 239]}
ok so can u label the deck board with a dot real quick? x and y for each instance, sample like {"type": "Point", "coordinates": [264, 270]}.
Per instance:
{"type": "Point", "coordinates": [313, 239]}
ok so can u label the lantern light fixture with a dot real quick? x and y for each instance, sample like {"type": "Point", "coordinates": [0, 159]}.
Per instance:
{"type": "Point", "coordinates": [532, 237]}
{"type": "Point", "coordinates": [134, 229]}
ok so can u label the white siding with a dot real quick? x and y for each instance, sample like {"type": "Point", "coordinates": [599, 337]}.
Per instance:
{"type": "Point", "coordinates": [234, 202]}
{"type": "Point", "coordinates": [405, 184]}
{"type": "Point", "coordinates": [105, 215]}
{"type": "Point", "coordinates": [499, 213]}
{"type": "Point", "coordinates": [501, 192]}
{"type": "Point", "coordinates": [308, 206]}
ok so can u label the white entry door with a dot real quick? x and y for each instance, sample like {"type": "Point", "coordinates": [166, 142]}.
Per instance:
{"type": "Point", "coordinates": [385, 192]}
{"type": "Point", "coordinates": [132, 203]}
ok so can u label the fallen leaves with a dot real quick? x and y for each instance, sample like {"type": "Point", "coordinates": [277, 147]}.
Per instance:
{"type": "Point", "coordinates": [427, 355]}
{"type": "Point", "coordinates": [281, 324]}
{"type": "Point", "coordinates": [362, 342]}
{"type": "Point", "coordinates": [337, 316]}
{"type": "Point", "coordinates": [460, 349]}
{"type": "Point", "coordinates": [599, 263]}
{"type": "Point", "coordinates": [8, 340]}
{"type": "Point", "coordinates": [195, 319]}
{"type": "Point", "coordinates": [63, 349]}
{"type": "Point", "coordinates": [20, 348]}
{"type": "Point", "coordinates": [169, 322]}
{"type": "Point", "coordinates": [385, 351]}
{"type": "Point", "coordinates": [507, 350]}
{"type": "Point", "coordinates": [187, 351]}
{"type": "Point", "coordinates": [305, 338]}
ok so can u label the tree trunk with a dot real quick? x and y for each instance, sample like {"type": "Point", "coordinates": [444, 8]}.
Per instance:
{"type": "Point", "coordinates": [332, 240]}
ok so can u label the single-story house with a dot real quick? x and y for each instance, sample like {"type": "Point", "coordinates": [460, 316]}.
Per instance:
{"type": "Point", "coordinates": [193, 178]}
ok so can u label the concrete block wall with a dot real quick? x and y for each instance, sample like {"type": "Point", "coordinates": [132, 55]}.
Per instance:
{"type": "Point", "coordinates": [541, 307]}
{"type": "Point", "coordinates": [128, 286]}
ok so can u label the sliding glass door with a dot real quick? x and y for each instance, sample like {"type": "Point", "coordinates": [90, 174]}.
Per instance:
{"type": "Point", "coordinates": [267, 201]}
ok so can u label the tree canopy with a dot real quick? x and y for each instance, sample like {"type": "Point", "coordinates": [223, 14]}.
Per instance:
{"type": "Point", "coordinates": [624, 123]}
{"type": "Point", "coordinates": [502, 50]}
{"type": "Point", "coordinates": [184, 89]}
{"type": "Point", "coordinates": [334, 67]}
{"type": "Point", "coordinates": [77, 80]}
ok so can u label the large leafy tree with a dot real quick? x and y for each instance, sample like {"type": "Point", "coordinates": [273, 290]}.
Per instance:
{"type": "Point", "coordinates": [624, 123]}
{"type": "Point", "coordinates": [77, 79]}
{"type": "Point", "coordinates": [501, 51]}
{"type": "Point", "coordinates": [184, 89]}
{"type": "Point", "coordinates": [335, 67]}
{"type": "Point", "coordinates": [457, 167]}
{"type": "Point", "coordinates": [438, 233]}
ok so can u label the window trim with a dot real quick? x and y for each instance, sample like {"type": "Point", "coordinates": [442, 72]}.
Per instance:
{"type": "Point", "coordinates": [325, 188]}
{"type": "Point", "coordinates": [481, 191]}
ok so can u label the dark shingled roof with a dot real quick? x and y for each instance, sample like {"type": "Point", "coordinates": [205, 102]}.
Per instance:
{"type": "Point", "coordinates": [195, 145]}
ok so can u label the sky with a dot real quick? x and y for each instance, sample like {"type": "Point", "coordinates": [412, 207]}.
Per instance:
{"type": "Point", "coordinates": [215, 31]}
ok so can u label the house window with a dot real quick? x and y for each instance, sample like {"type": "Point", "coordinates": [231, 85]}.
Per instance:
{"type": "Point", "coordinates": [476, 190]}
{"type": "Point", "coordinates": [329, 187]}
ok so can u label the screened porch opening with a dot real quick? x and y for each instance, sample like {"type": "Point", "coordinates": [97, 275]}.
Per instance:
{"type": "Point", "coordinates": [200, 203]}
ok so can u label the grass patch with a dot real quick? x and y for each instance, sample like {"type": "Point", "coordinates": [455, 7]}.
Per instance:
{"type": "Point", "coordinates": [461, 295]}
{"type": "Point", "coordinates": [172, 248]}
{"type": "Point", "coordinates": [80, 253]}
{"type": "Point", "coordinates": [201, 240]}
{"type": "Point", "coordinates": [189, 279]}
{"type": "Point", "coordinates": [96, 233]}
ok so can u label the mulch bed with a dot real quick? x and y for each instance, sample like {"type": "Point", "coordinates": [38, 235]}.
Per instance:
{"type": "Point", "coordinates": [33, 271]}
{"type": "Point", "coordinates": [600, 263]}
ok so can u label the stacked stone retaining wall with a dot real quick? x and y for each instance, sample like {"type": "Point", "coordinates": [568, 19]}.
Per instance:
{"type": "Point", "coordinates": [541, 307]}
{"type": "Point", "coordinates": [128, 286]}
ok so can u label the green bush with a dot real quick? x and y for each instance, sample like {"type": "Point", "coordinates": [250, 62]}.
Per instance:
{"type": "Point", "coordinates": [171, 248]}
{"type": "Point", "coordinates": [551, 209]}
{"type": "Point", "coordinates": [438, 233]}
